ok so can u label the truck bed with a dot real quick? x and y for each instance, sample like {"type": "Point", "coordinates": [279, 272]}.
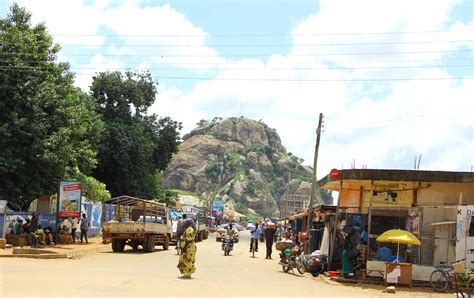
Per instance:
{"type": "Point", "coordinates": [136, 228]}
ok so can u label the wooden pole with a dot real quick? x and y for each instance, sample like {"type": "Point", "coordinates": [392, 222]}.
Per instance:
{"type": "Point", "coordinates": [313, 185]}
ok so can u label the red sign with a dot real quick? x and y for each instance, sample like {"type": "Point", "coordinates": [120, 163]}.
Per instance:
{"type": "Point", "coordinates": [335, 173]}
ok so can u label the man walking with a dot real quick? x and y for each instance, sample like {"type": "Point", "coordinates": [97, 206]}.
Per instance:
{"type": "Point", "coordinates": [84, 227]}
{"type": "Point", "coordinates": [269, 236]}
{"type": "Point", "coordinates": [74, 226]}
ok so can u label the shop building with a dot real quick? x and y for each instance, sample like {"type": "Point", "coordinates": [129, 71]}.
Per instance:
{"type": "Point", "coordinates": [436, 206]}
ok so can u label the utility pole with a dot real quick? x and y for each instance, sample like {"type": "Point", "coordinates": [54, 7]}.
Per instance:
{"type": "Point", "coordinates": [313, 185]}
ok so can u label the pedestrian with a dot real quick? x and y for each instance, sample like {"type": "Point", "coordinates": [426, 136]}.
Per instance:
{"type": "Point", "coordinates": [187, 257]}
{"type": "Point", "coordinates": [74, 226]}
{"type": "Point", "coordinates": [84, 227]}
{"type": "Point", "coordinates": [269, 236]}
{"type": "Point", "coordinates": [254, 236]}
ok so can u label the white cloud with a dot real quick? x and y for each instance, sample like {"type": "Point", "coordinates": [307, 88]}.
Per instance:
{"type": "Point", "coordinates": [399, 118]}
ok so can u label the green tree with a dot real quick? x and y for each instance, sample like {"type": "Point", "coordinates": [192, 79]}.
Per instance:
{"type": "Point", "coordinates": [47, 126]}
{"type": "Point", "coordinates": [135, 145]}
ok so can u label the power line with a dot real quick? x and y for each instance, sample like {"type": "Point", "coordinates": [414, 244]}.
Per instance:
{"type": "Point", "coordinates": [250, 55]}
{"type": "Point", "coordinates": [286, 80]}
{"type": "Point", "coordinates": [261, 45]}
{"type": "Point", "coordinates": [404, 117]}
{"type": "Point", "coordinates": [335, 149]}
{"type": "Point", "coordinates": [262, 34]}
{"type": "Point", "coordinates": [340, 143]}
{"type": "Point", "coordinates": [239, 68]}
{"type": "Point", "coordinates": [410, 123]}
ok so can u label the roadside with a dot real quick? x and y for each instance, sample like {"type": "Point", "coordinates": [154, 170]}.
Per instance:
{"type": "Point", "coordinates": [60, 251]}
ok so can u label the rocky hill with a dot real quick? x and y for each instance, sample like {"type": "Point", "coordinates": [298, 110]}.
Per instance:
{"type": "Point", "coordinates": [239, 160]}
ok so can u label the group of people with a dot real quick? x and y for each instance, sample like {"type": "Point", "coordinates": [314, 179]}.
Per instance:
{"type": "Point", "coordinates": [34, 234]}
{"type": "Point", "coordinates": [265, 232]}
{"type": "Point", "coordinates": [71, 225]}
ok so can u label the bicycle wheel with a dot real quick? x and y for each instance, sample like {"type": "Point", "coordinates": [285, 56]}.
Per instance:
{"type": "Point", "coordinates": [439, 280]}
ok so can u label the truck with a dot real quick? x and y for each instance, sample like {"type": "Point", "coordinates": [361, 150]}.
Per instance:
{"type": "Point", "coordinates": [199, 215]}
{"type": "Point", "coordinates": [135, 222]}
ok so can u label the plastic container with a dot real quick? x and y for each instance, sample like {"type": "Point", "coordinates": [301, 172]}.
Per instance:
{"type": "Point", "coordinates": [334, 273]}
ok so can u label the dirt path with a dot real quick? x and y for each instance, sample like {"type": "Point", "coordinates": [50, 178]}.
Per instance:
{"type": "Point", "coordinates": [140, 274]}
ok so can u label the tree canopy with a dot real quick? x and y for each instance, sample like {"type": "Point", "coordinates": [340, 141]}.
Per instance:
{"type": "Point", "coordinates": [135, 145]}
{"type": "Point", "coordinates": [48, 127]}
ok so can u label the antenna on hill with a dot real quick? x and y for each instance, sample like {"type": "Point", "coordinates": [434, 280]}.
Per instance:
{"type": "Point", "coordinates": [417, 161]}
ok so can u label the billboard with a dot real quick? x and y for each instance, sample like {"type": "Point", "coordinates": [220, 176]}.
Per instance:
{"type": "Point", "coordinates": [69, 199]}
{"type": "Point", "coordinates": [217, 209]}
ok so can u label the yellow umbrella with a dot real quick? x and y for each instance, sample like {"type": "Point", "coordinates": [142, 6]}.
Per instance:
{"type": "Point", "coordinates": [398, 236]}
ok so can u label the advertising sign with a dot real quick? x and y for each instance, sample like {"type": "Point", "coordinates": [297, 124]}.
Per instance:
{"type": "Point", "coordinates": [350, 197]}
{"type": "Point", "coordinates": [69, 202]}
{"type": "Point", "coordinates": [217, 209]}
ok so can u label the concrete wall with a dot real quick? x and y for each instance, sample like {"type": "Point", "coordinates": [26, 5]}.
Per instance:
{"type": "Point", "coordinates": [445, 194]}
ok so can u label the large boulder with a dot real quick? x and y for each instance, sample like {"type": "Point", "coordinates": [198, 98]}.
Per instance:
{"type": "Point", "coordinates": [238, 160]}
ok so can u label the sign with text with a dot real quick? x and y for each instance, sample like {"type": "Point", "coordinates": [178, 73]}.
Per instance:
{"type": "Point", "coordinates": [69, 202]}
{"type": "Point", "coordinates": [217, 209]}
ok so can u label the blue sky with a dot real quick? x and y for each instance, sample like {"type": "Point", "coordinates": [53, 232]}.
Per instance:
{"type": "Point", "coordinates": [286, 61]}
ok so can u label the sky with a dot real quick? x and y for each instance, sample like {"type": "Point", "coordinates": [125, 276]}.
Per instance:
{"type": "Point", "coordinates": [393, 79]}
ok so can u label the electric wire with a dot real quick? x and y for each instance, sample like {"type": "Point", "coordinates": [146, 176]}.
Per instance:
{"type": "Point", "coordinates": [241, 68]}
{"type": "Point", "coordinates": [266, 35]}
{"type": "Point", "coordinates": [252, 55]}
{"type": "Point", "coordinates": [262, 45]}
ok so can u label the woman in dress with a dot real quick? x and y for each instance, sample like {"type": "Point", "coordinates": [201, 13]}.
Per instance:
{"type": "Point", "coordinates": [188, 251]}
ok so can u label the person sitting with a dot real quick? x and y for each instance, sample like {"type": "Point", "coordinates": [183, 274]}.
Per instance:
{"type": "Point", "coordinates": [48, 236]}
{"type": "Point", "coordinates": [384, 253]}
{"type": "Point", "coordinates": [40, 232]}
{"type": "Point", "coordinates": [31, 238]}
{"type": "Point", "coordinates": [18, 227]}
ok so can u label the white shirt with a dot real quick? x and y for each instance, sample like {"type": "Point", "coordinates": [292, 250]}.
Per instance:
{"type": "Point", "coordinates": [74, 224]}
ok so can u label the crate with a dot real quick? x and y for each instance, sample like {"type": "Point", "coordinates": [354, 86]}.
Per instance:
{"type": "Point", "coordinates": [3, 243]}
{"type": "Point", "coordinates": [282, 245]}
{"type": "Point", "coordinates": [16, 240]}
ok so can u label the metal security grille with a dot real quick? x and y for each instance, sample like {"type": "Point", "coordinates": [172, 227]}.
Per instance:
{"type": "Point", "coordinates": [384, 219]}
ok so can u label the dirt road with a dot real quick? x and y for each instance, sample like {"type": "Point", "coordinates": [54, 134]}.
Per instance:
{"type": "Point", "coordinates": [155, 274]}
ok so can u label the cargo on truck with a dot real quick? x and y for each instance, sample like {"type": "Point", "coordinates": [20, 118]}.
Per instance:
{"type": "Point", "coordinates": [135, 222]}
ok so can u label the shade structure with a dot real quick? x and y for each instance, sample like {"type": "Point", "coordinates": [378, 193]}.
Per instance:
{"type": "Point", "coordinates": [398, 236]}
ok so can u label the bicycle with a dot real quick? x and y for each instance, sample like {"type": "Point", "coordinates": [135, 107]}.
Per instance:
{"type": "Point", "coordinates": [455, 276]}
{"type": "Point", "coordinates": [252, 246]}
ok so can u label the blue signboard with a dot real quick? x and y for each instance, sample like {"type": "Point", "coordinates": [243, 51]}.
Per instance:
{"type": "Point", "coordinates": [217, 209]}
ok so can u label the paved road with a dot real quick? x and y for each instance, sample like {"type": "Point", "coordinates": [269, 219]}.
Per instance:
{"type": "Point", "coordinates": [155, 274]}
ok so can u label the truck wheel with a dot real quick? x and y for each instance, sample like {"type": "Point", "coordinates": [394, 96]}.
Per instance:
{"type": "Point", "coordinates": [166, 244]}
{"type": "Point", "coordinates": [114, 245]}
{"type": "Point", "coordinates": [150, 244]}
{"type": "Point", "coordinates": [121, 245]}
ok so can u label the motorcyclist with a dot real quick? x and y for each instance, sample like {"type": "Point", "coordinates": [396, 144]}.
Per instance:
{"type": "Point", "coordinates": [230, 235]}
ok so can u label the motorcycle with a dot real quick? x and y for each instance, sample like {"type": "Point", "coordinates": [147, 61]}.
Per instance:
{"type": "Point", "coordinates": [315, 263]}
{"type": "Point", "coordinates": [227, 245]}
{"type": "Point", "coordinates": [291, 258]}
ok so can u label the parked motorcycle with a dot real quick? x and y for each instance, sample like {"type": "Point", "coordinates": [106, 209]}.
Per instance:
{"type": "Point", "coordinates": [314, 263]}
{"type": "Point", "coordinates": [290, 258]}
{"type": "Point", "coordinates": [227, 245]}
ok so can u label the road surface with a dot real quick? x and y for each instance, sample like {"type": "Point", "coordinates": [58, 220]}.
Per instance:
{"type": "Point", "coordinates": [155, 274]}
